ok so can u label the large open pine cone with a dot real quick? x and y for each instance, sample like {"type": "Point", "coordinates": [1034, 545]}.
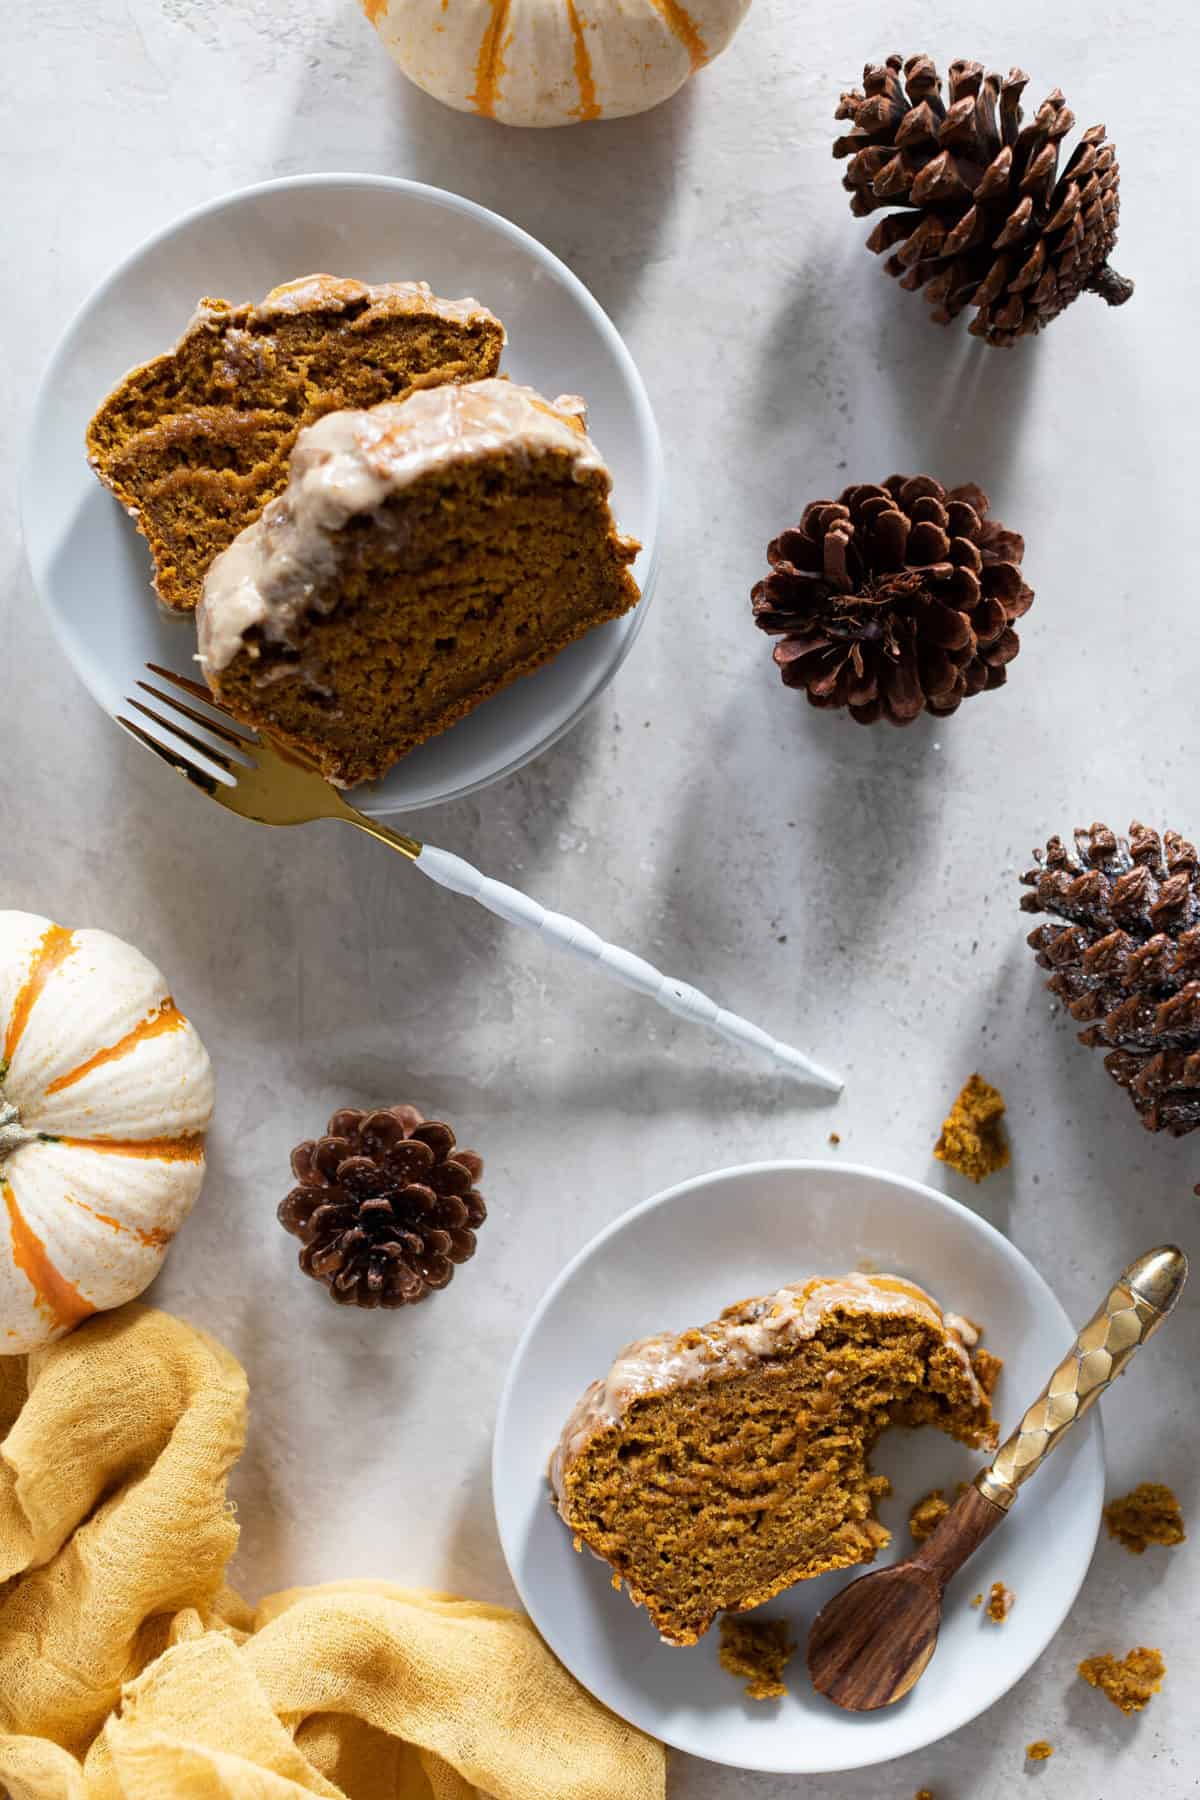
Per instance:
{"type": "Point", "coordinates": [987, 220]}
{"type": "Point", "coordinates": [385, 1207]}
{"type": "Point", "coordinates": [894, 599]}
{"type": "Point", "coordinates": [1126, 961]}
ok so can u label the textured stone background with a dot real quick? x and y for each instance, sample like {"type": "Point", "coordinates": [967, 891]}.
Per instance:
{"type": "Point", "coordinates": [855, 890]}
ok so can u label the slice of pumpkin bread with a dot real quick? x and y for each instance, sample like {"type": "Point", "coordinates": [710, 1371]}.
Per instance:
{"type": "Point", "coordinates": [424, 555]}
{"type": "Point", "coordinates": [714, 1469]}
{"type": "Point", "coordinates": [196, 442]}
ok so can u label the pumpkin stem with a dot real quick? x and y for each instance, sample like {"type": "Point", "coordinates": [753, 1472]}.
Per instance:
{"type": "Point", "coordinates": [12, 1133]}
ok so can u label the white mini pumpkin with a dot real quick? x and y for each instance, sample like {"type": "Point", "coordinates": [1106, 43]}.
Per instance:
{"type": "Point", "coordinates": [105, 1093]}
{"type": "Point", "coordinates": [553, 62]}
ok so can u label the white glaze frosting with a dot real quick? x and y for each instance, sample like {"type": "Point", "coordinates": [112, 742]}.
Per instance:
{"type": "Point", "coordinates": [336, 293]}
{"type": "Point", "coordinates": [744, 1335]}
{"type": "Point", "coordinates": [350, 463]}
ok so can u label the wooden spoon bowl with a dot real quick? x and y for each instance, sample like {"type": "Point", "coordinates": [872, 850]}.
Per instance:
{"type": "Point", "coordinates": [873, 1641]}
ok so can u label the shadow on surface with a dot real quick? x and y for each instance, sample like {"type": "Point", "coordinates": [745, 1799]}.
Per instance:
{"type": "Point", "coordinates": [869, 801]}
{"type": "Point", "coordinates": [918, 396]}
{"type": "Point", "coordinates": [472, 1561]}
{"type": "Point", "coordinates": [599, 195]}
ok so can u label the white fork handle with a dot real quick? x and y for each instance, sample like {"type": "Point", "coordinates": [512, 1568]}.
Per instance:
{"type": "Point", "coordinates": [568, 934]}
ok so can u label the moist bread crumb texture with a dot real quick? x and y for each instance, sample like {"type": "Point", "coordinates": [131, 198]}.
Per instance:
{"type": "Point", "coordinates": [197, 441]}
{"type": "Point", "coordinates": [714, 1469]}
{"type": "Point", "coordinates": [1151, 1514]}
{"type": "Point", "coordinates": [972, 1138]}
{"type": "Point", "coordinates": [423, 556]}
{"type": "Point", "coordinates": [1000, 1603]}
{"type": "Point", "coordinates": [986, 1368]}
{"type": "Point", "coordinates": [757, 1651]}
{"type": "Point", "coordinates": [932, 1508]}
{"type": "Point", "coordinates": [1130, 1682]}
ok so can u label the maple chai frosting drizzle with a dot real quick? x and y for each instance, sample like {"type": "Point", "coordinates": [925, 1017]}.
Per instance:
{"type": "Point", "coordinates": [745, 1334]}
{"type": "Point", "coordinates": [331, 293]}
{"type": "Point", "coordinates": [350, 463]}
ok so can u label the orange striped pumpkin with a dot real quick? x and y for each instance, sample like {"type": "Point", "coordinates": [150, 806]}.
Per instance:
{"type": "Point", "coordinates": [105, 1094]}
{"type": "Point", "coordinates": [553, 62]}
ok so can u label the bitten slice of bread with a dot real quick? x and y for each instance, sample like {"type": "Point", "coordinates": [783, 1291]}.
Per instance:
{"type": "Point", "coordinates": [715, 1468]}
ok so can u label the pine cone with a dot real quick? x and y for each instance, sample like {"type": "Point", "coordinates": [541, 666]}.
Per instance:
{"type": "Point", "coordinates": [1127, 960]}
{"type": "Point", "coordinates": [894, 600]}
{"type": "Point", "coordinates": [385, 1207]}
{"type": "Point", "coordinates": [989, 222]}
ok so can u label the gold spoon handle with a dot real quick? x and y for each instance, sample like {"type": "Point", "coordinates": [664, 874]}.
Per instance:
{"type": "Point", "coordinates": [1132, 1312]}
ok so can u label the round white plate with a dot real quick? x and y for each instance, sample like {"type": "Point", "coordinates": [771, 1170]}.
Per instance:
{"type": "Point", "coordinates": [676, 1261]}
{"type": "Point", "coordinates": [93, 570]}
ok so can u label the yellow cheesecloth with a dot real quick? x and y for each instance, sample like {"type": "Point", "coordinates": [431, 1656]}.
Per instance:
{"type": "Point", "coordinates": [129, 1671]}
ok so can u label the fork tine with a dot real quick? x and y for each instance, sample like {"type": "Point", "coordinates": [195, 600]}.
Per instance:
{"type": "Point", "coordinates": [208, 783]}
{"type": "Point", "coordinates": [194, 688]}
{"type": "Point", "coordinates": [233, 738]}
{"type": "Point", "coordinates": [185, 737]}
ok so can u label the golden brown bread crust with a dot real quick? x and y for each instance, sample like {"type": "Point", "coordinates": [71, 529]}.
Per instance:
{"type": "Point", "coordinates": [195, 442]}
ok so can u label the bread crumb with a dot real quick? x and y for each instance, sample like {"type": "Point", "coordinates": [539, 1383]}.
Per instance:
{"type": "Point", "coordinates": [986, 1368]}
{"type": "Point", "coordinates": [923, 1794]}
{"type": "Point", "coordinates": [1128, 1681]}
{"type": "Point", "coordinates": [927, 1515]}
{"type": "Point", "coordinates": [1000, 1602]}
{"type": "Point", "coordinates": [929, 1512]}
{"type": "Point", "coordinates": [1149, 1515]}
{"type": "Point", "coordinates": [1039, 1750]}
{"type": "Point", "coordinates": [976, 1599]}
{"type": "Point", "coordinates": [758, 1651]}
{"type": "Point", "coordinates": [972, 1139]}
{"type": "Point", "coordinates": [834, 1138]}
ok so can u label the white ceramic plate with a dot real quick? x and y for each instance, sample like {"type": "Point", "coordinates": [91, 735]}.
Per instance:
{"type": "Point", "coordinates": [93, 570]}
{"type": "Point", "coordinates": [676, 1261]}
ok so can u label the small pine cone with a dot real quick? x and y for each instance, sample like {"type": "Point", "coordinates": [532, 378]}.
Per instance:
{"type": "Point", "coordinates": [894, 600]}
{"type": "Point", "coordinates": [1126, 960]}
{"type": "Point", "coordinates": [385, 1207]}
{"type": "Point", "coordinates": [986, 219]}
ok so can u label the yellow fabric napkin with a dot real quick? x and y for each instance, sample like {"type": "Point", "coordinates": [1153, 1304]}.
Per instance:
{"type": "Point", "coordinates": [129, 1671]}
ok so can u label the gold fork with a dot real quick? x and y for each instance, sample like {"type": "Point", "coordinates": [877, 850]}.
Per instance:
{"type": "Point", "coordinates": [263, 781]}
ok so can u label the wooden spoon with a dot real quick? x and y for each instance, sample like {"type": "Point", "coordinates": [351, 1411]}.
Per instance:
{"type": "Point", "coordinates": [872, 1643]}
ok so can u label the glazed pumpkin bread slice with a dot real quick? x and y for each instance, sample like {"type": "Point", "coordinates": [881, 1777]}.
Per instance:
{"type": "Point", "coordinates": [714, 1469]}
{"type": "Point", "coordinates": [196, 442]}
{"type": "Point", "coordinates": [423, 556]}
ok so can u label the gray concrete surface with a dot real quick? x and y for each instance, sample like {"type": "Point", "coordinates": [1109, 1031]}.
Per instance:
{"type": "Point", "coordinates": [854, 889]}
